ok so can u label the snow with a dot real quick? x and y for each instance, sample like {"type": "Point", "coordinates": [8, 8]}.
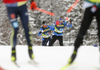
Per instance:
{"type": "Point", "coordinates": [51, 58]}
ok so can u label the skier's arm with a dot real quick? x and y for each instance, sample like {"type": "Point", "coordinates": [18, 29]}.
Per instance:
{"type": "Point", "coordinates": [66, 24]}
{"type": "Point", "coordinates": [40, 32]}
{"type": "Point", "coordinates": [53, 26]}
{"type": "Point", "coordinates": [69, 25]}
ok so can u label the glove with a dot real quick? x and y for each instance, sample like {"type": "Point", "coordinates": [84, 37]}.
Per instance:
{"type": "Point", "coordinates": [70, 20]}
{"type": "Point", "coordinates": [33, 5]}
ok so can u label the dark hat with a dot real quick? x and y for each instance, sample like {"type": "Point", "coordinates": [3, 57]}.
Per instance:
{"type": "Point", "coordinates": [43, 22]}
{"type": "Point", "coordinates": [61, 16]}
{"type": "Point", "coordinates": [71, 20]}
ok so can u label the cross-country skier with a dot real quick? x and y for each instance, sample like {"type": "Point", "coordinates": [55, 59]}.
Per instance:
{"type": "Point", "coordinates": [58, 28]}
{"type": "Point", "coordinates": [17, 8]}
{"type": "Point", "coordinates": [45, 30]}
{"type": "Point", "coordinates": [92, 9]}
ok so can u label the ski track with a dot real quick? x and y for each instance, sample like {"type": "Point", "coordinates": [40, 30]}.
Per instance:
{"type": "Point", "coordinates": [50, 58]}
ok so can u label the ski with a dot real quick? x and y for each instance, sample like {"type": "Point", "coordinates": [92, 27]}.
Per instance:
{"type": "Point", "coordinates": [65, 67]}
{"type": "Point", "coordinates": [33, 62]}
{"type": "Point", "coordinates": [15, 64]}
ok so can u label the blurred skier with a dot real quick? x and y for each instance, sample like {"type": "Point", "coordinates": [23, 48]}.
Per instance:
{"type": "Point", "coordinates": [17, 8]}
{"type": "Point", "coordinates": [92, 9]}
{"type": "Point", "coordinates": [58, 28]}
{"type": "Point", "coordinates": [45, 30]}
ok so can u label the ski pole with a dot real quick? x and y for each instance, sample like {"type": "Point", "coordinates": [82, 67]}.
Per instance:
{"type": "Point", "coordinates": [72, 7]}
{"type": "Point", "coordinates": [44, 11]}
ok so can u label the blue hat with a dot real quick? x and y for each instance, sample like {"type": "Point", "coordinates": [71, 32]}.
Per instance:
{"type": "Point", "coordinates": [61, 20]}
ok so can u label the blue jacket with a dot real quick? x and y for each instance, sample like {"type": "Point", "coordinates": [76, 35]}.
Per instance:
{"type": "Point", "coordinates": [58, 29]}
{"type": "Point", "coordinates": [45, 32]}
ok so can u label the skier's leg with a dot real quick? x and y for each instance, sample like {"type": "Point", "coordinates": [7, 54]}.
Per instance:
{"type": "Point", "coordinates": [25, 22]}
{"type": "Point", "coordinates": [88, 16]}
{"type": "Point", "coordinates": [60, 38]}
{"type": "Point", "coordinates": [13, 43]}
{"type": "Point", "coordinates": [47, 39]}
{"type": "Point", "coordinates": [98, 24]}
{"type": "Point", "coordinates": [12, 14]}
{"type": "Point", "coordinates": [43, 41]}
{"type": "Point", "coordinates": [54, 38]}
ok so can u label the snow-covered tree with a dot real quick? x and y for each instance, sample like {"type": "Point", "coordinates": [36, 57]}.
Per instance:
{"type": "Point", "coordinates": [59, 7]}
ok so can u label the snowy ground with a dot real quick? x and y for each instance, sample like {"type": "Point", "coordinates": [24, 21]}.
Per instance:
{"type": "Point", "coordinates": [51, 58]}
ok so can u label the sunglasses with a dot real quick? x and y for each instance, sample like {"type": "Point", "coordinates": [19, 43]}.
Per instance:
{"type": "Point", "coordinates": [44, 24]}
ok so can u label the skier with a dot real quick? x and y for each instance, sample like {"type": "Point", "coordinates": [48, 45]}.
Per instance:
{"type": "Point", "coordinates": [17, 8]}
{"type": "Point", "coordinates": [92, 9]}
{"type": "Point", "coordinates": [58, 28]}
{"type": "Point", "coordinates": [45, 30]}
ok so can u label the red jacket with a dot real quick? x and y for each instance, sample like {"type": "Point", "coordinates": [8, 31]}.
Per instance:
{"type": "Point", "coordinates": [12, 1]}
